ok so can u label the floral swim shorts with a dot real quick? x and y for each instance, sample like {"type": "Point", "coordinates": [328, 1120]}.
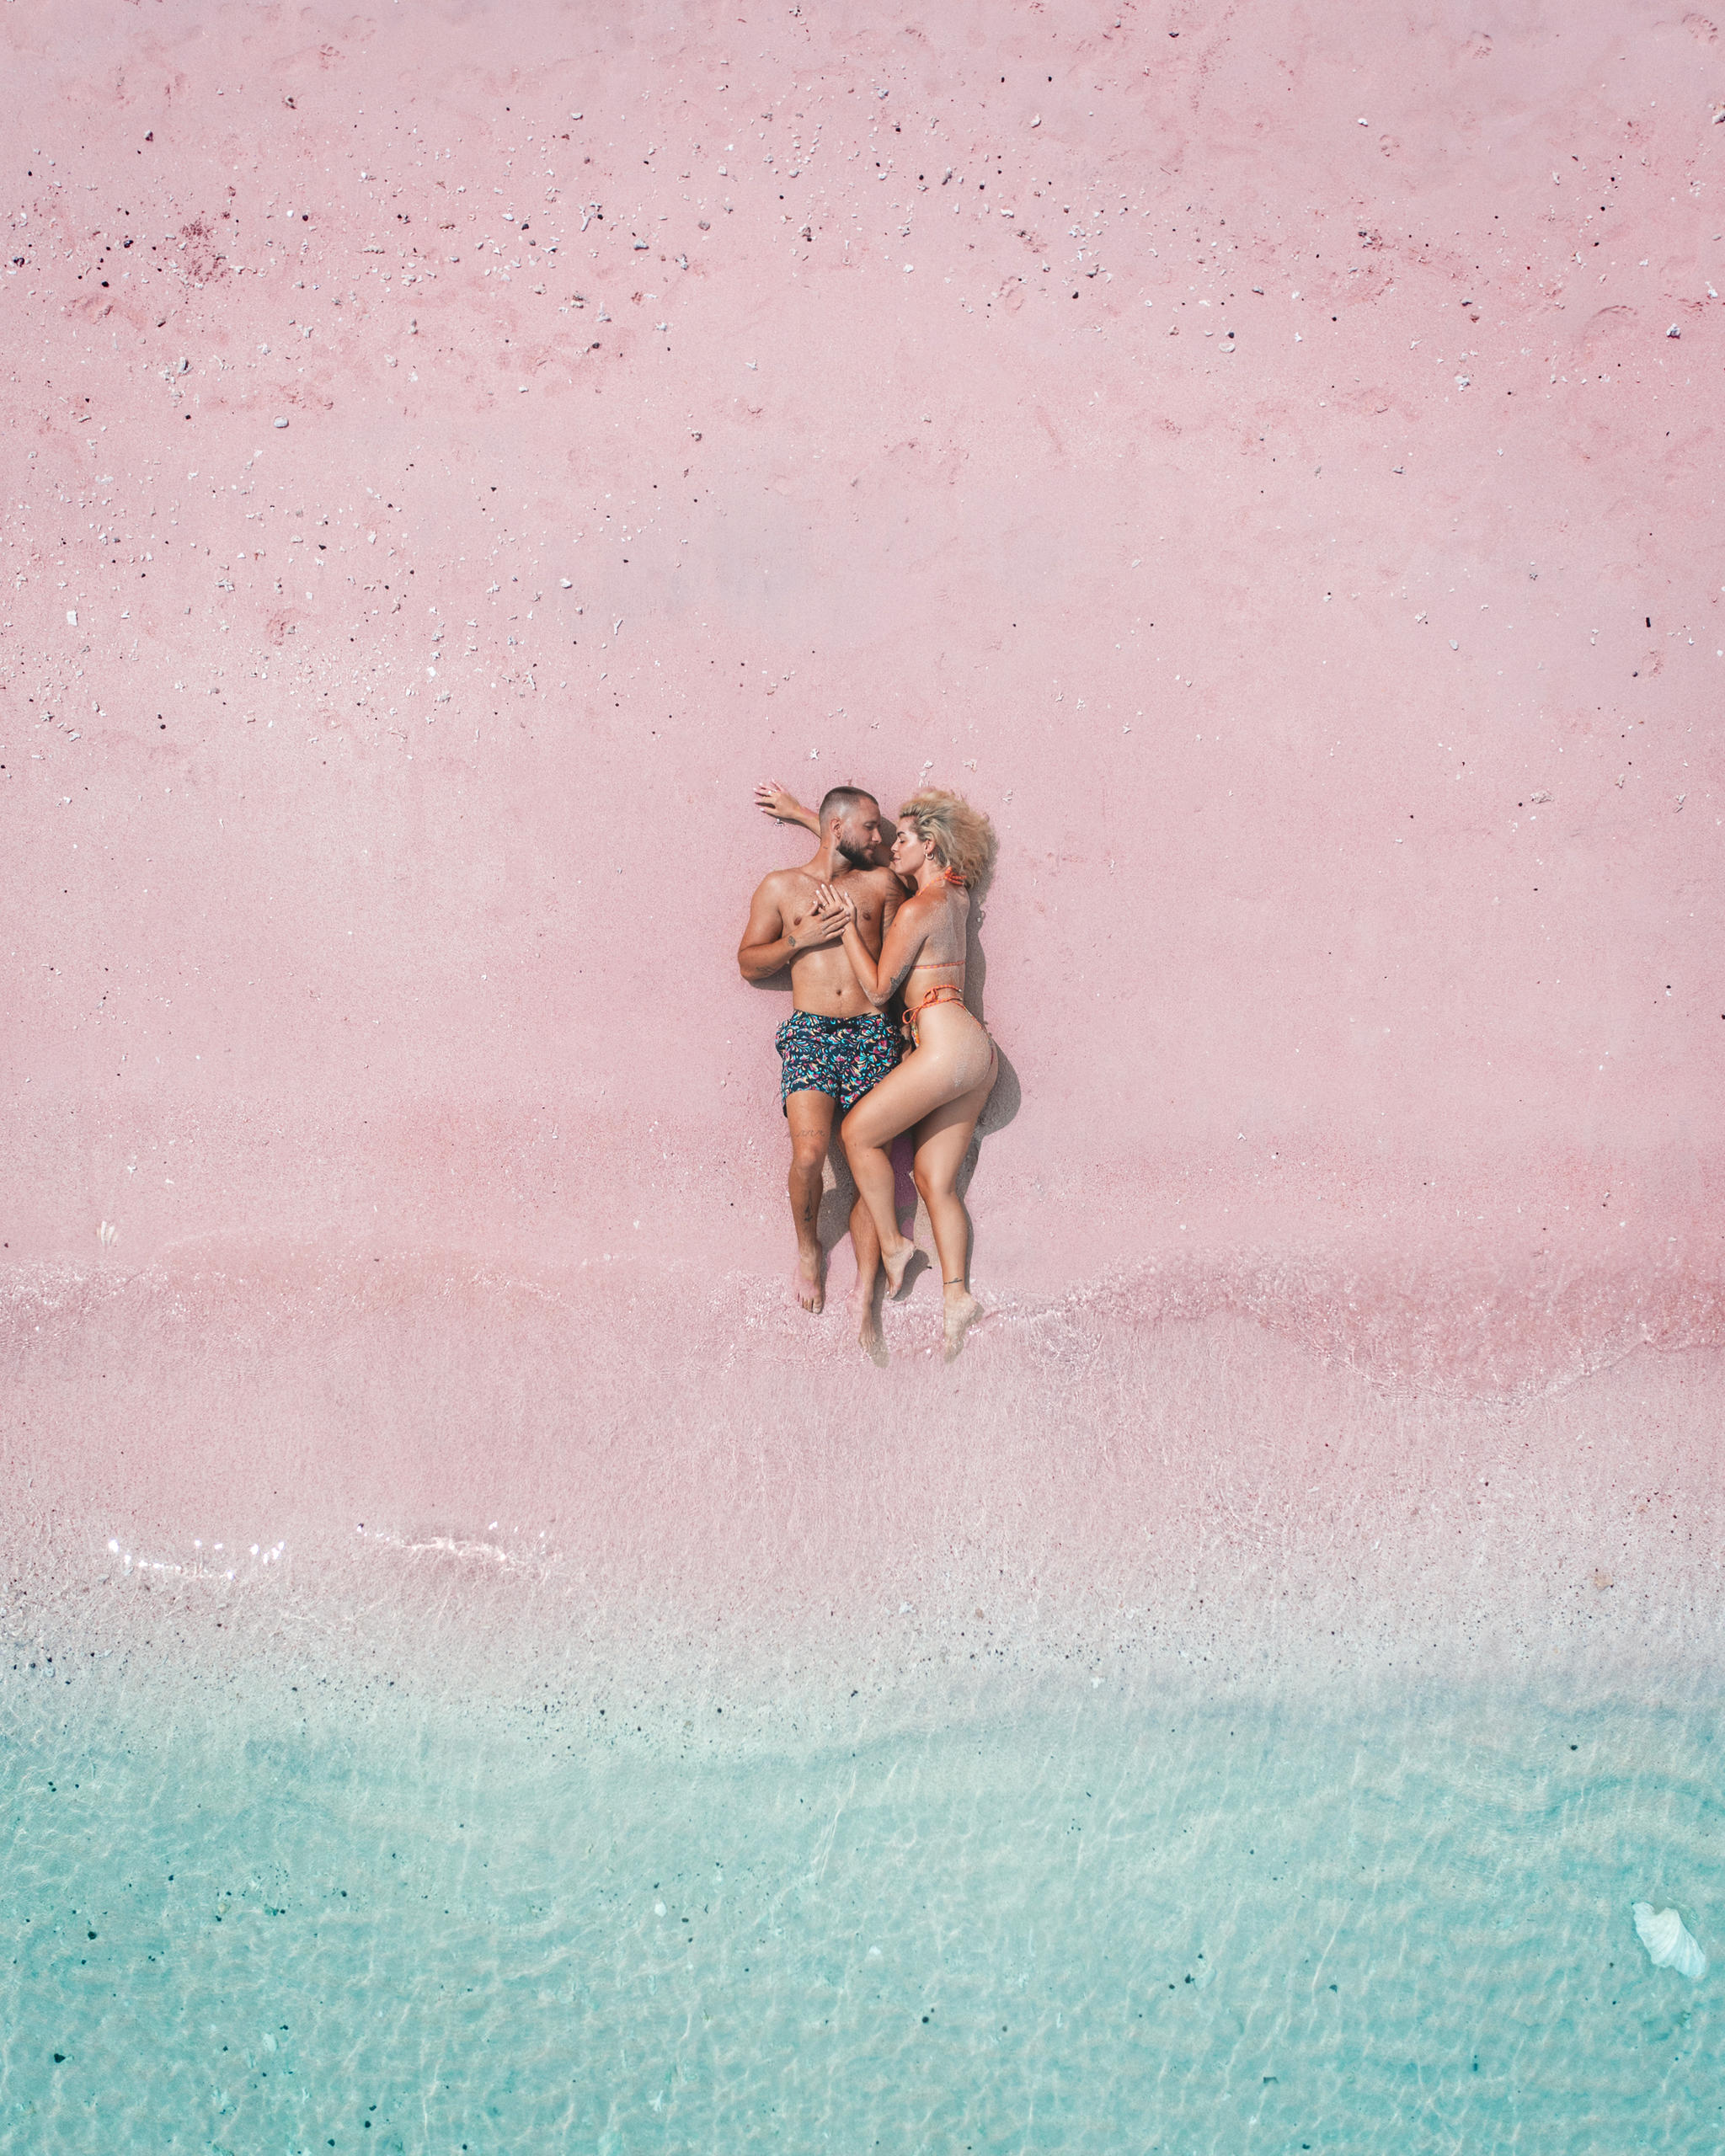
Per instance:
{"type": "Point", "coordinates": [842, 1058]}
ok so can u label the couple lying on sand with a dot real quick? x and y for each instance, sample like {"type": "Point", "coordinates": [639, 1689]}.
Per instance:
{"type": "Point", "coordinates": [854, 931]}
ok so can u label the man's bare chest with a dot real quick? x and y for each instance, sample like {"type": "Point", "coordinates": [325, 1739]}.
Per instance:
{"type": "Point", "coordinates": [800, 907]}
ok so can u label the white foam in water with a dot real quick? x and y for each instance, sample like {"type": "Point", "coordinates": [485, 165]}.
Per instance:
{"type": "Point", "coordinates": [1669, 1941]}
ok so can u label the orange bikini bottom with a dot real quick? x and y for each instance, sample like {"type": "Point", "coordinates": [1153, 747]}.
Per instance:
{"type": "Point", "coordinates": [945, 994]}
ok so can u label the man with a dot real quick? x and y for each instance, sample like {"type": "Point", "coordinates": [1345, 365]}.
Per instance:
{"type": "Point", "coordinates": [834, 1046]}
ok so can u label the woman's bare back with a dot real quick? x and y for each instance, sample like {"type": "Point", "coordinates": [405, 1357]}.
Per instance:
{"type": "Point", "coordinates": [940, 958]}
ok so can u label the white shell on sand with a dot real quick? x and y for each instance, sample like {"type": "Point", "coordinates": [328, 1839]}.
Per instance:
{"type": "Point", "coordinates": [1667, 1942]}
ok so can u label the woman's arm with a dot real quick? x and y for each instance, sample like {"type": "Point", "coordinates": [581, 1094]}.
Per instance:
{"type": "Point", "coordinates": [771, 799]}
{"type": "Point", "coordinates": [904, 938]}
{"type": "Point", "coordinates": [768, 945]}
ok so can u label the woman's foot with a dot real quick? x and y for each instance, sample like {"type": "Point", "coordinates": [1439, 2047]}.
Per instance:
{"type": "Point", "coordinates": [897, 1265]}
{"type": "Point", "coordinates": [961, 1313]}
{"type": "Point", "coordinates": [808, 1281]}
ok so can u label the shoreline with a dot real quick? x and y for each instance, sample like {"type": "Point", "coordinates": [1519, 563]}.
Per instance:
{"type": "Point", "coordinates": [429, 1483]}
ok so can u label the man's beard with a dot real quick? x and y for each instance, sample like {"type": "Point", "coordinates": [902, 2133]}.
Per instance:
{"type": "Point", "coordinates": [857, 856]}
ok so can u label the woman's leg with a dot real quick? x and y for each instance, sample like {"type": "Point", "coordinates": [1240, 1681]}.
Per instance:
{"type": "Point", "coordinates": [943, 1139]}
{"type": "Point", "coordinates": [903, 1098]}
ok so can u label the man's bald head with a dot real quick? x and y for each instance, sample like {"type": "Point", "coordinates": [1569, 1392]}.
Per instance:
{"type": "Point", "coordinates": [858, 815]}
{"type": "Point", "coordinates": [844, 801]}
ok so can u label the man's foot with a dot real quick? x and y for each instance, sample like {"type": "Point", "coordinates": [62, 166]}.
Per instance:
{"type": "Point", "coordinates": [869, 1336]}
{"type": "Point", "coordinates": [901, 1269]}
{"type": "Point", "coordinates": [808, 1281]}
{"type": "Point", "coordinates": [962, 1312]}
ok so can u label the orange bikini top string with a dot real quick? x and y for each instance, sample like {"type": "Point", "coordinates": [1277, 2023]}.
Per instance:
{"type": "Point", "coordinates": [952, 876]}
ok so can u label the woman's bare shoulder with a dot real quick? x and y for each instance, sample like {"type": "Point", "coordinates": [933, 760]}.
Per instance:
{"type": "Point", "coordinates": [926, 901]}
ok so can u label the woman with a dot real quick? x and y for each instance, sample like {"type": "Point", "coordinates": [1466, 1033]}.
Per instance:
{"type": "Point", "coordinates": [937, 1093]}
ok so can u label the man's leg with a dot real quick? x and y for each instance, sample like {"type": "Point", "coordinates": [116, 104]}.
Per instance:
{"type": "Point", "coordinates": [809, 1116]}
{"type": "Point", "coordinates": [865, 1244]}
{"type": "Point", "coordinates": [874, 1051]}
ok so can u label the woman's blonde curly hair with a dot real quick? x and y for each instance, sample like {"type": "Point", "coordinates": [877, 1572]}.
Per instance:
{"type": "Point", "coordinates": [960, 837]}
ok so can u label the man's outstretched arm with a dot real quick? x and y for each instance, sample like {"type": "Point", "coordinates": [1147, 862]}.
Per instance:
{"type": "Point", "coordinates": [771, 799]}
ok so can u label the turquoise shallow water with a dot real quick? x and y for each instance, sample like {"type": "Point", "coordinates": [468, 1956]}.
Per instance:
{"type": "Point", "coordinates": [1096, 1929]}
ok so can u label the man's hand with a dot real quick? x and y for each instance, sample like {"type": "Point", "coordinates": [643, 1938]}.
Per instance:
{"type": "Point", "coordinates": [771, 799]}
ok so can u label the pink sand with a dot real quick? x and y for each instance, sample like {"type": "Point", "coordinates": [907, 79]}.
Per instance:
{"type": "Point", "coordinates": [1271, 467]}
